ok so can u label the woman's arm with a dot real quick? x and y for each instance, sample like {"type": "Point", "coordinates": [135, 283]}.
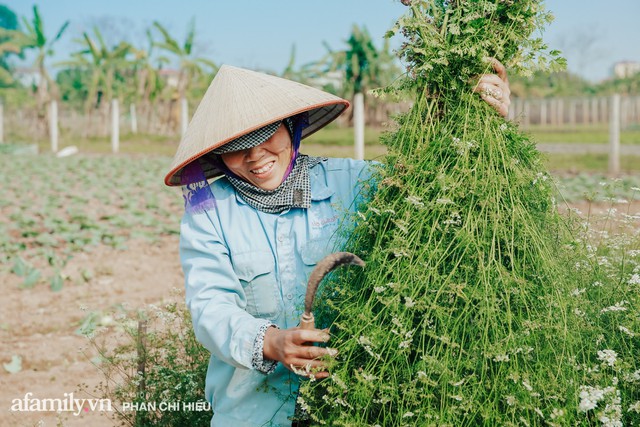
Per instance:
{"type": "Point", "coordinates": [215, 295]}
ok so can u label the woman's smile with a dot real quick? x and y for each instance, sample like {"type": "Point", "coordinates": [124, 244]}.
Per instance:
{"type": "Point", "coordinates": [263, 165]}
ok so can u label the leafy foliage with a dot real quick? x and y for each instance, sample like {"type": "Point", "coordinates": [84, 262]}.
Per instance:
{"type": "Point", "coordinates": [472, 309]}
{"type": "Point", "coordinates": [158, 361]}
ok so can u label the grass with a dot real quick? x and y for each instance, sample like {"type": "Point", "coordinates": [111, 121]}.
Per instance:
{"type": "Point", "coordinates": [334, 141]}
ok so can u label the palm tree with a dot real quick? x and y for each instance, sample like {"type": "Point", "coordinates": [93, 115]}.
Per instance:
{"type": "Point", "coordinates": [34, 37]}
{"type": "Point", "coordinates": [190, 66]}
{"type": "Point", "coordinates": [8, 23]}
{"type": "Point", "coordinates": [148, 84]}
{"type": "Point", "coordinates": [364, 67]}
{"type": "Point", "coordinates": [103, 65]}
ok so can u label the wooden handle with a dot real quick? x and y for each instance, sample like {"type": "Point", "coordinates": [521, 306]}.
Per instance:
{"type": "Point", "coordinates": [307, 321]}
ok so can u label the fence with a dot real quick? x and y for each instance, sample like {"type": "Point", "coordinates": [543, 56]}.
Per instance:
{"type": "Point", "coordinates": [170, 118]}
{"type": "Point", "coordinates": [573, 111]}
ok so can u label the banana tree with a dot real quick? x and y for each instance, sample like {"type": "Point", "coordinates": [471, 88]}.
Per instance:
{"type": "Point", "coordinates": [190, 66]}
{"type": "Point", "coordinates": [148, 85]}
{"type": "Point", "coordinates": [8, 22]}
{"type": "Point", "coordinates": [33, 37]}
{"type": "Point", "coordinates": [103, 64]}
{"type": "Point", "coordinates": [364, 67]}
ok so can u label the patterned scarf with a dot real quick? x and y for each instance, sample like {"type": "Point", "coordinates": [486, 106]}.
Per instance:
{"type": "Point", "coordinates": [293, 192]}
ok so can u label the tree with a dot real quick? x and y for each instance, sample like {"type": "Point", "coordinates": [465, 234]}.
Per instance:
{"type": "Point", "coordinates": [8, 22]}
{"type": "Point", "coordinates": [363, 65]}
{"type": "Point", "coordinates": [190, 66]}
{"type": "Point", "coordinates": [35, 38]}
{"type": "Point", "coordinates": [103, 65]}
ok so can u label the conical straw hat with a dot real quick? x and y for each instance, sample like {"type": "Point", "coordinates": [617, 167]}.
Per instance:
{"type": "Point", "coordinates": [239, 101]}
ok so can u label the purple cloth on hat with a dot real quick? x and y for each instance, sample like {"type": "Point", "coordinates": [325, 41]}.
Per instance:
{"type": "Point", "coordinates": [196, 192]}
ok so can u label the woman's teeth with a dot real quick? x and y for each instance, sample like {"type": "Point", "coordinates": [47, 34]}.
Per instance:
{"type": "Point", "coordinates": [263, 169]}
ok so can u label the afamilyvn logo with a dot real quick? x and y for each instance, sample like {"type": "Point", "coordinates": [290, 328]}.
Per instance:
{"type": "Point", "coordinates": [66, 404]}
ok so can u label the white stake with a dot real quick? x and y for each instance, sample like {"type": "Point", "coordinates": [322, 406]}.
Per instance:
{"type": "Point", "coordinates": [184, 116]}
{"type": "Point", "coordinates": [115, 126]}
{"type": "Point", "coordinates": [614, 136]}
{"type": "Point", "coordinates": [358, 125]}
{"type": "Point", "coordinates": [53, 126]}
{"type": "Point", "coordinates": [1, 123]}
{"type": "Point", "coordinates": [134, 118]}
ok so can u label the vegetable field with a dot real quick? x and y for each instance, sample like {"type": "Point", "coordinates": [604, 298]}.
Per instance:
{"type": "Point", "coordinates": [87, 240]}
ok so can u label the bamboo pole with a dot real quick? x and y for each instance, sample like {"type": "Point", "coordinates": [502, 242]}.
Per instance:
{"type": "Point", "coordinates": [614, 136]}
{"type": "Point", "coordinates": [134, 118]}
{"type": "Point", "coordinates": [358, 125]}
{"type": "Point", "coordinates": [184, 116]}
{"type": "Point", "coordinates": [585, 111]}
{"type": "Point", "coordinates": [53, 126]}
{"type": "Point", "coordinates": [1, 123]}
{"type": "Point", "coordinates": [543, 112]}
{"type": "Point", "coordinates": [115, 126]}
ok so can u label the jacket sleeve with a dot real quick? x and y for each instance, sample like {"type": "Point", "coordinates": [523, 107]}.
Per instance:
{"type": "Point", "coordinates": [215, 295]}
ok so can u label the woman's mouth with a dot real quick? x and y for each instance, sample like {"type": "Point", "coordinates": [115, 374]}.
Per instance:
{"type": "Point", "coordinates": [263, 169]}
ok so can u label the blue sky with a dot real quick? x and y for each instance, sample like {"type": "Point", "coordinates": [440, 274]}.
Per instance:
{"type": "Point", "coordinates": [260, 33]}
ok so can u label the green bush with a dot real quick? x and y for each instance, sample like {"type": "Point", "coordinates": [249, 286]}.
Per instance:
{"type": "Point", "coordinates": [158, 361]}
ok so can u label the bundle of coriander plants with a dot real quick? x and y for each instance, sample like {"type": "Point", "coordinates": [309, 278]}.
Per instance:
{"type": "Point", "coordinates": [477, 306]}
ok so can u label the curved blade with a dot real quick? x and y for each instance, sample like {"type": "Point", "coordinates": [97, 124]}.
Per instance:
{"type": "Point", "coordinates": [324, 267]}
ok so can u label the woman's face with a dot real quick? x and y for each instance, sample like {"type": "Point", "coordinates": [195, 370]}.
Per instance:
{"type": "Point", "coordinates": [264, 165]}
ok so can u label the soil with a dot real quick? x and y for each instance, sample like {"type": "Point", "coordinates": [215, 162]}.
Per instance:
{"type": "Point", "coordinates": [40, 325]}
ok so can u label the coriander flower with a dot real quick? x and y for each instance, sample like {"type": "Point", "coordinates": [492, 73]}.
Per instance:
{"type": "Point", "coordinates": [608, 356]}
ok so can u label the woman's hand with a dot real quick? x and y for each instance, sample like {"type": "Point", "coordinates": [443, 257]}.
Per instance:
{"type": "Point", "coordinates": [494, 88]}
{"type": "Point", "coordinates": [292, 347]}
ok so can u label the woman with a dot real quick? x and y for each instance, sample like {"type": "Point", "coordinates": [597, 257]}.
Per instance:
{"type": "Point", "coordinates": [250, 239]}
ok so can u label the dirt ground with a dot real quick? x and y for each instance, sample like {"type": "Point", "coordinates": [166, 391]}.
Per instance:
{"type": "Point", "coordinates": [39, 325]}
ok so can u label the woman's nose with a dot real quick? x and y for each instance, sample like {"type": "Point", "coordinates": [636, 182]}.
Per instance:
{"type": "Point", "coordinates": [254, 153]}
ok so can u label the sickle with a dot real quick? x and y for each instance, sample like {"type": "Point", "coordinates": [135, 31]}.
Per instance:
{"type": "Point", "coordinates": [324, 267]}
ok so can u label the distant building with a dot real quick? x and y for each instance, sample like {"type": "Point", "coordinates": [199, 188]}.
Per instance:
{"type": "Point", "coordinates": [172, 77]}
{"type": "Point", "coordinates": [624, 69]}
{"type": "Point", "coordinates": [27, 77]}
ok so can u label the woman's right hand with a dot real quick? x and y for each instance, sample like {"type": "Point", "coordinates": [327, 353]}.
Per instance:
{"type": "Point", "coordinates": [293, 348]}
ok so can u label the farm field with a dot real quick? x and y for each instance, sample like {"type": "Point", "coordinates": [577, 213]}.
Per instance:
{"type": "Point", "coordinates": [88, 238]}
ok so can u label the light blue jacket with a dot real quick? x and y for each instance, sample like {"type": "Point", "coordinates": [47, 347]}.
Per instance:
{"type": "Point", "coordinates": [244, 268]}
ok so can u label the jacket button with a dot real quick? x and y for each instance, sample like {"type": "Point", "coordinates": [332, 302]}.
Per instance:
{"type": "Point", "coordinates": [289, 296]}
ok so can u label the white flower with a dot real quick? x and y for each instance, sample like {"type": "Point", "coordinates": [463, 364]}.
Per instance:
{"type": "Point", "coordinates": [626, 331]}
{"type": "Point", "coordinates": [408, 414]}
{"type": "Point", "coordinates": [379, 289]}
{"type": "Point", "coordinates": [415, 200]}
{"type": "Point", "coordinates": [409, 302]}
{"type": "Point", "coordinates": [608, 356]}
{"type": "Point", "coordinates": [577, 292]}
{"type": "Point", "coordinates": [635, 279]}
{"type": "Point", "coordinates": [557, 413]}
{"type": "Point", "coordinates": [501, 358]}
{"type": "Point", "coordinates": [635, 407]}
{"type": "Point", "coordinates": [619, 306]}
{"type": "Point", "coordinates": [511, 400]}
{"type": "Point", "coordinates": [503, 127]}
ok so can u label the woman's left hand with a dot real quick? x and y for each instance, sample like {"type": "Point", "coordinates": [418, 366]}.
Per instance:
{"type": "Point", "coordinates": [494, 88]}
